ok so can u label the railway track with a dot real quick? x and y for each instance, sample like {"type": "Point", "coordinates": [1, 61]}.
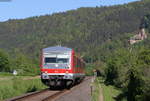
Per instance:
{"type": "Point", "coordinates": [45, 95]}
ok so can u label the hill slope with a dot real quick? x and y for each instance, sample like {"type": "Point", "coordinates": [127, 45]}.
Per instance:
{"type": "Point", "coordinates": [85, 29]}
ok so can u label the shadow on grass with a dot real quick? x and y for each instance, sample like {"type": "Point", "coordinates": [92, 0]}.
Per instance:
{"type": "Point", "coordinates": [120, 97]}
{"type": "Point", "coordinates": [117, 96]}
{"type": "Point", "coordinates": [31, 89]}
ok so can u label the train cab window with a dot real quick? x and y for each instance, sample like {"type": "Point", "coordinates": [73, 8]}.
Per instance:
{"type": "Point", "coordinates": [56, 60]}
{"type": "Point", "coordinates": [50, 60]}
{"type": "Point", "coordinates": [62, 60]}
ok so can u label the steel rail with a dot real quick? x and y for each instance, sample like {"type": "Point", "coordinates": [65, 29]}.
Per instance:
{"type": "Point", "coordinates": [28, 95]}
{"type": "Point", "coordinates": [52, 97]}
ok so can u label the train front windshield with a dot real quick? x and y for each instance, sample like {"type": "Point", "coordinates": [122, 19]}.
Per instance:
{"type": "Point", "coordinates": [56, 60]}
{"type": "Point", "coordinates": [60, 61]}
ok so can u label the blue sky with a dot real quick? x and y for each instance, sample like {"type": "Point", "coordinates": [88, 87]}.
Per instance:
{"type": "Point", "coordinates": [18, 9]}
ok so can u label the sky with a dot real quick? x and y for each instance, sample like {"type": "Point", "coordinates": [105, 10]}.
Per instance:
{"type": "Point", "coordinates": [19, 9]}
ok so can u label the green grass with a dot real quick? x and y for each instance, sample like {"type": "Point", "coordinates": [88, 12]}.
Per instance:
{"type": "Point", "coordinates": [11, 74]}
{"type": "Point", "coordinates": [96, 90]}
{"type": "Point", "coordinates": [17, 86]}
{"type": "Point", "coordinates": [8, 77]}
{"type": "Point", "coordinates": [5, 74]}
{"type": "Point", "coordinates": [109, 92]}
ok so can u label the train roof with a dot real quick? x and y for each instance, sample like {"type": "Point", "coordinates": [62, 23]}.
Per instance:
{"type": "Point", "coordinates": [56, 48]}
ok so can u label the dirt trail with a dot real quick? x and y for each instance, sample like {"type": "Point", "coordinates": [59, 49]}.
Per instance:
{"type": "Point", "coordinates": [101, 98]}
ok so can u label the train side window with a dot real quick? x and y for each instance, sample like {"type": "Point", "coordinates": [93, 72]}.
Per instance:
{"type": "Point", "coordinates": [79, 63]}
{"type": "Point", "coordinates": [83, 65]}
{"type": "Point", "coordinates": [75, 61]}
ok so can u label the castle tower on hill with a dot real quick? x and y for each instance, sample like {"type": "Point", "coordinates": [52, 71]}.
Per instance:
{"type": "Point", "coordinates": [138, 37]}
{"type": "Point", "coordinates": [142, 33]}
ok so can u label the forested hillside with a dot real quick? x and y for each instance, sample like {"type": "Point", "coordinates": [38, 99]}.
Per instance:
{"type": "Point", "coordinates": [93, 32]}
{"type": "Point", "coordinates": [85, 29]}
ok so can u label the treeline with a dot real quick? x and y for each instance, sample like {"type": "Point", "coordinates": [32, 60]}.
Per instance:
{"type": "Point", "coordinates": [127, 68]}
{"type": "Point", "coordinates": [93, 32]}
{"type": "Point", "coordinates": [91, 27]}
{"type": "Point", "coordinates": [20, 62]}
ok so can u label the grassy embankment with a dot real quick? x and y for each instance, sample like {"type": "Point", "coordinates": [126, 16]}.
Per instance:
{"type": "Point", "coordinates": [109, 92]}
{"type": "Point", "coordinates": [17, 86]}
{"type": "Point", "coordinates": [96, 90]}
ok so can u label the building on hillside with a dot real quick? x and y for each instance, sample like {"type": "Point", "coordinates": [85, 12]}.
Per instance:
{"type": "Point", "coordinates": [138, 37]}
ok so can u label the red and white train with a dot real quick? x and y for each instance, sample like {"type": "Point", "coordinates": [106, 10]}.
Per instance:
{"type": "Point", "coordinates": [61, 66]}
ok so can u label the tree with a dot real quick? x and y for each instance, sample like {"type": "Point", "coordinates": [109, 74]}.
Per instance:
{"type": "Point", "coordinates": [4, 61]}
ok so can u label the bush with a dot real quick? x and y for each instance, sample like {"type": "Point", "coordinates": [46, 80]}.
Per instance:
{"type": "Point", "coordinates": [4, 61]}
{"type": "Point", "coordinates": [129, 70]}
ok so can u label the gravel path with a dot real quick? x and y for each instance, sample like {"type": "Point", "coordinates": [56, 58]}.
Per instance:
{"type": "Point", "coordinates": [81, 93]}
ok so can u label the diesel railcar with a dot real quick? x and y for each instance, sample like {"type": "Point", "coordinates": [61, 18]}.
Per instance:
{"type": "Point", "coordinates": [61, 66]}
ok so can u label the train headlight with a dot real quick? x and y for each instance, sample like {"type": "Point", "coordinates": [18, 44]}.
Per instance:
{"type": "Point", "coordinates": [44, 72]}
{"type": "Point", "coordinates": [45, 76]}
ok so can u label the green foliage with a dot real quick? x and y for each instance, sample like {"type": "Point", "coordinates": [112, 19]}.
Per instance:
{"type": "Point", "coordinates": [117, 66]}
{"type": "Point", "coordinates": [99, 30]}
{"type": "Point", "coordinates": [5, 74]}
{"type": "Point", "coordinates": [129, 70]}
{"type": "Point", "coordinates": [108, 92]}
{"type": "Point", "coordinates": [89, 70]}
{"type": "Point", "coordinates": [91, 27]}
{"type": "Point", "coordinates": [146, 22]}
{"type": "Point", "coordinates": [4, 61]}
{"type": "Point", "coordinates": [96, 90]}
{"type": "Point", "coordinates": [24, 65]}
{"type": "Point", "coordinates": [144, 57]}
